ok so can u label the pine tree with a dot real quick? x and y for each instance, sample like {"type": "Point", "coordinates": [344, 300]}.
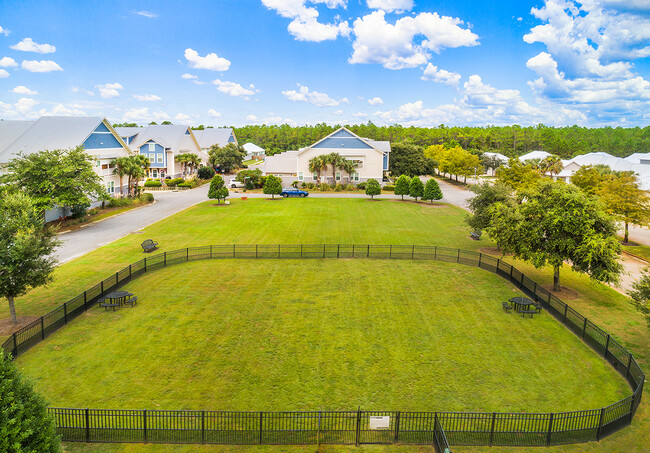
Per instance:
{"type": "Point", "coordinates": [402, 186]}
{"type": "Point", "coordinates": [416, 188]}
{"type": "Point", "coordinates": [432, 191]}
{"type": "Point", "coordinates": [272, 186]}
{"type": "Point", "coordinates": [373, 188]}
{"type": "Point", "coordinates": [217, 189]}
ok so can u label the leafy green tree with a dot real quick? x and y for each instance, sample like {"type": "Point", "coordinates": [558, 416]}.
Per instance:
{"type": "Point", "coordinates": [551, 164]}
{"type": "Point", "coordinates": [205, 172]}
{"type": "Point", "coordinates": [217, 189]}
{"type": "Point", "coordinates": [432, 191]}
{"type": "Point", "coordinates": [640, 294]}
{"type": "Point", "coordinates": [226, 158]}
{"type": "Point", "coordinates": [272, 186]}
{"type": "Point", "coordinates": [373, 188]}
{"type": "Point", "coordinates": [125, 125]}
{"type": "Point", "coordinates": [624, 200]}
{"type": "Point", "coordinates": [25, 425]}
{"type": "Point", "coordinates": [63, 178]}
{"type": "Point", "coordinates": [25, 248]}
{"type": "Point", "coordinates": [487, 195]}
{"type": "Point", "coordinates": [402, 186]}
{"type": "Point", "coordinates": [121, 166]}
{"type": "Point", "coordinates": [408, 159]}
{"type": "Point", "coordinates": [416, 188]}
{"type": "Point", "coordinates": [166, 123]}
{"type": "Point", "coordinates": [518, 175]}
{"type": "Point", "coordinates": [136, 168]}
{"type": "Point", "coordinates": [555, 223]}
{"type": "Point", "coordinates": [590, 177]}
{"type": "Point", "coordinates": [254, 177]}
{"type": "Point", "coordinates": [183, 159]}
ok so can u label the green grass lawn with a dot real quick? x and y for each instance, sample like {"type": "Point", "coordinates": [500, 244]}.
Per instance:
{"type": "Point", "coordinates": [331, 220]}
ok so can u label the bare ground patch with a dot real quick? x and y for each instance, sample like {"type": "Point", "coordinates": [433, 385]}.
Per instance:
{"type": "Point", "coordinates": [7, 327]}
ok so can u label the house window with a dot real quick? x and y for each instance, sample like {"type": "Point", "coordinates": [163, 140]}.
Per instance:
{"type": "Point", "coordinates": [314, 176]}
{"type": "Point", "coordinates": [162, 173]}
{"type": "Point", "coordinates": [105, 167]}
{"type": "Point", "coordinates": [152, 147]}
{"type": "Point", "coordinates": [152, 158]}
{"type": "Point", "coordinates": [155, 173]}
{"type": "Point", "coordinates": [98, 164]}
{"type": "Point", "coordinates": [301, 177]}
{"type": "Point", "coordinates": [358, 163]}
{"type": "Point", "coordinates": [110, 187]}
{"type": "Point", "coordinates": [338, 175]}
{"type": "Point", "coordinates": [355, 176]}
{"type": "Point", "coordinates": [160, 158]}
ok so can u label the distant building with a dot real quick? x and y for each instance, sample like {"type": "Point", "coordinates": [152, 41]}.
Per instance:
{"type": "Point", "coordinates": [370, 156]}
{"type": "Point", "coordinates": [534, 155]}
{"type": "Point", "coordinates": [211, 136]}
{"type": "Point", "coordinates": [253, 151]}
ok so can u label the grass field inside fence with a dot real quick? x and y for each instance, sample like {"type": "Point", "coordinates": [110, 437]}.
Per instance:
{"type": "Point", "coordinates": [315, 334]}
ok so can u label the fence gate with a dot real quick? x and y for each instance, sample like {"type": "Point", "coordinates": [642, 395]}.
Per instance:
{"type": "Point", "coordinates": [377, 427]}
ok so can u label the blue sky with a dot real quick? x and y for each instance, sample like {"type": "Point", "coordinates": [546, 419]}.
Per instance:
{"type": "Point", "coordinates": [236, 62]}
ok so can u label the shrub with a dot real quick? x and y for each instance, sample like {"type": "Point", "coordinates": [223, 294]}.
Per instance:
{"type": "Point", "coordinates": [350, 187]}
{"type": "Point", "coordinates": [324, 187]}
{"type": "Point", "coordinates": [303, 185]}
{"type": "Point", "coordinates": [295, 184]}
{"type": "Point", "coordinates": [120, 202]}
{"type": "Point", "coordinates": [206, 173]}
{"type": "Point", "coordinates": [173, 182]}
{"type": "Point", "coordinates": [338, 188]}
{"type": "Point", "coordinates": [311, 185]}
{"type": "Point", "coordinates": [146, 197]}
{"type": "Point", "coordinates": [79, 210]}
{"type": "Point", "coordinates": [362, 186]}
{"type": "Point", "coordinates": [389, 188]}
{"type": "Point", "coordinates": [154, 183]}
{"type": "Point", "coordinates": [185, 184]}
{"type": "Point", "coordinates": [25, 424]}
{"type": "Point", "coordinates": [95, 211]}
{"type": "Point", "coordinates": [373, 188]}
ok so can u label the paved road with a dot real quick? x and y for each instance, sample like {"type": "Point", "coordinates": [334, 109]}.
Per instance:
{"type": "Point", "coordinates": [84, 240]}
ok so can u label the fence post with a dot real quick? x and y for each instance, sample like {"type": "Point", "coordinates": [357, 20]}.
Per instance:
{"type": "Point", "coordinates": [323, 250]}
{"type": "Point", "coordinates": [390, 251]}
{"type": "Point", "coordinates": [318, 432]}
{"type": "Point", "coordinates": [584, 328]}
{"type": "Point", "coordinates": [280, 254]}
{"type": "Point", "coordinates": [165, 259]}
{"type": "Point", "coordinates": [458, 256]}
{"type": "Point", "coordinates": [187, 253]}
{"type": "Point", "coordinates": [629, 362]}
{"type": "Point", "coordinates": [102, 282]}
{"type": "Point", "coordinates": [87, 426]}
{"type": "Point", "coordinates": [511, 269]}
{"type": "Point", "coordinates": [117, 278]}
{"type": "Point", "coordinates": [494, 419]}
{"type": "Point", "coordinates": [356, 437]}
{"type": "Point", "coordinates": [368, 252]}
{"type": "Point", "coordinates": [480, 255]}
{"type": "Point", "coordinates": [85, 301]}
{"type": "Point", "coordinates": [210, 251]}
{"type": "Point", "coordinates": [338, 250]}
{"type": "Point", "coordinates": [129, 272]}
{"type": "Point", "coordinates": [203, 419]}
{"type": "Point", "coordinates": [436, 441]}
{"type": "Point", "coordinates": [566, 307]}
{"type": "Point", "coordinates": [15, 353]}
{"type": "Point", "coordinates": [600, 424]}
{"type": "Point", "coordinates": [233, 250]}
{"type": "Point", "coordinates": [435, 252]}
{"type": "Point", "coordinates": [413, 251]}
{"type": "Point", "coordinates": [261, 414]}
{"type": "Point", "coordinates": [42, 330]}
{"type": "Point", "coordinates": [550, 430]}
{"type": "Point", "coordinates": [607, 346]}
{"type": "Point", "coordinates": [397, 427]}
{"type": "Point", "coordinates": [65, 313]}
{"type": "Point", "coordinates": [145, 266]}
{"type": "Point", "coordinates": [144, 424]}
{"type": "Point", "coordinates": [255, 250]}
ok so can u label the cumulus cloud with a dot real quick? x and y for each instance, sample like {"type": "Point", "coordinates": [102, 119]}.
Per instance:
{"type": "Point", "coordinates": [25, 105]}
{"type": "Point", "coordinates": [211, 61]}
{"type": "Point", "coordinates": [182, 117]}
{"type": "Point", "coordinates": [234, 89]}
{"type": "Point", "coordinates": [146, 97]}
{"type": "Point", "coordinates": [109, 90]}
{"type": "Point", "coordinates": [40, 66]}
{"type": "Point", "coordinates": [7, 62]}
{"type": "Point", "coordinates": [375, 101]}
{"type": "Point", "coordinates": [4, 31]}
{"type": "Point", "coordinates": [214, 114]}
{"type": "Point", "coordinates": [143, 116]}
{"type": "Point", "coordinates": [313, 97]}
{"type": "Point", "coordinates": [434, 74]}
{"type": "Point", "coordinates": [20, 89]}
{"type": "Point", "coordinates": [399, 6]}
{"type": "Point", "coordinates": [3, 74]}
{"type": "Point", "coordinates": [63, 110]}
{"type": "Point", "coordinates": [252, 118]}
{"type": "Point", "coordinates": [305, 25]}
{"type": "Point", "coordinates": [190, 76]}
{"type": "Point", "coordinates": [147, 14]}
{"type": "Point", "coordinates": [338, 112]}
{"type": "Point", "coordinates": [396, 46]}
{"type": "Point", "coordinates": [28, 45]}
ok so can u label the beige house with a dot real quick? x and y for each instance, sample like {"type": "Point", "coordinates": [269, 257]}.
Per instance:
{"type": "Point", "coordinates": [370, 156]}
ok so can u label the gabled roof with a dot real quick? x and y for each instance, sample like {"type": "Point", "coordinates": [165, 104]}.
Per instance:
{"type": "Point", "coordinates": [252, 148]}
{"type": "Point", "coordinates": [343, 134]}
{"type": "Point", "coordinates": [128, 131]}
{"type": "Point", "coordinates": [286, 162]}
{"type": "Point", "coordinates": [534, 155]}
{"type": "Point", "coordinates": [177, 138]}
{"type": "Point", "coordinates": [499, 156]}
{"type": "Point", "coordinates": [54, 132]}
{"type": "Point", "coordinates": [11, 130]}
{"type": "Point", "coordinates": [214, 136]}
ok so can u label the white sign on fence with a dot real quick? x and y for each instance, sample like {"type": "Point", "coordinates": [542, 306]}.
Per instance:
{"type": "Point", "coordinates": [379, 422]}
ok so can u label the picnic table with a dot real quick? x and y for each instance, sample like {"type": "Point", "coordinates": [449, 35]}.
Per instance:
{"type": "Point", "coordinates": [522, 305]}
{"type": "Point", "coordinates": [115, 299]}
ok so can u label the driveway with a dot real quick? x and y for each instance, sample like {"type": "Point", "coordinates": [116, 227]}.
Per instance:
{"type": "Point", "coordinates": [84, 240]}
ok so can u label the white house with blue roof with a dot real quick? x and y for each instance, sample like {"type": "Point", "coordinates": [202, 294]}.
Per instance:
{"type": "Point", "coordinates": [370, 156]}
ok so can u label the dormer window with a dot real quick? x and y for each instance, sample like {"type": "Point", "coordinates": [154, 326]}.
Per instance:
{"type": "Point", "coordinates": [152, 147]}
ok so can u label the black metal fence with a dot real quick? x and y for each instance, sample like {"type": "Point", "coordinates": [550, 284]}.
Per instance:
{"type": "Point", "coordinates": [344, 427]}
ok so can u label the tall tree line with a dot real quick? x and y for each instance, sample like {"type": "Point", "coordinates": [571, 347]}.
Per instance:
{"type": "Point", "coordinates": [512, 141]}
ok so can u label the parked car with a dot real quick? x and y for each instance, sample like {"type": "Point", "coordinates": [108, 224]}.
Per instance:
{"type": "Point", "coordinates": [233, 183]}
{"type": "Point", "coordinates": [291, 192]}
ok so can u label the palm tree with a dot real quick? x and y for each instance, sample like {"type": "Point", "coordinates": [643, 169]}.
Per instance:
{"type": "Point", "coordinates": [316, 165]}
{"type": "Point", "coordinates": [335, 160]}
{"type": "Point", "coordinates": [552, 165]}
{"type": "Point", "coordinates": [193, 161]}
{"type": "Point", "coordinates": [135, 169]}
{"type": "Point", "coordinates": [182, 159]}
{"type": "Point", "coordinates": [121, 164]}
{"type": "Point", "coordinates": [349, 167]}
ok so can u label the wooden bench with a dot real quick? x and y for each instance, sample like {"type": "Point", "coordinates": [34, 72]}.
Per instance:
{"type": "Point", "coordinates": [476, 235]}
{"type": "Point", "coordinates": [538, 307]}
{"type": "Point", "coordinates": [506, 307]}
{"type": "Point", "coordinates": [527, 312]}
{"type": "Point", "coordinates": [107, 305]}
{"type": "Point", "coordinates": [131, 301]}
{"type": "Point", "coordinates": [149, 245]}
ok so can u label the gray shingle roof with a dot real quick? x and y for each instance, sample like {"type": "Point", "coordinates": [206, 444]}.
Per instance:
{"type": "Point", "coordinates": [11, 130]}
{"type": "Point", "coordinates": [169, 136]}
{"type": "Point", "coordinates": [281, 163]}
{"type": "Point", "coordinates": [213, 136]}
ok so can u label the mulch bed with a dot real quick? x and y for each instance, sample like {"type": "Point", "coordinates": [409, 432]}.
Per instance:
{"type": "Point", "coordinates": [7, 327]}
{"type": "Point", "coordinates": [564, 293]}
{"type": "Point", "coordinates": [493, 251]}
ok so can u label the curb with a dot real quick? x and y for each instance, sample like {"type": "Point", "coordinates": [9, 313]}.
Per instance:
{"type": "Point", "coordinates": [106, 218]}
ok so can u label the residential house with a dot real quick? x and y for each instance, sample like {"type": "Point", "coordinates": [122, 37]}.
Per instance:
{"type": "Point", "coordinates": [253, 152]}
{"type": "Point", "coordinates": [370, 156]}
{"type": "Point", "coordinates": [534, 155]}
{"type": "Point", "coordinates": [95, 134]}
{"type": "Point", "coordinates": [211, 136]}
{"type": "Point", "coordinates": [162, 143]}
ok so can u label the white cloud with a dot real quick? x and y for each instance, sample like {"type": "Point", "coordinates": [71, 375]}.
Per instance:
{"type": "Point", "coordinates": [40, 66]}
{"type": "Point", "coordinates": [4, 31]}
{"type": "Point", "coordinates": [20, 89]}
{"type": "Point", "coordinates": [147, 14]}
{"type": "Point", "coordinates": [143, 116]}
{"type": "Point", "coordinates": [234, 89]}
{"type": "Point", "coordinates": [214, 114]}
{"type": "Point", "coordinates": [182, 117]}
{"type": "Point", "coordinates": [375, 101]}
{"type": "Point", "coordinates": [77, 90]}
{"type": "Point", "coordinates": [345, 101]}
{"type": "Point", "coordinates": [63, 110]}
{"type": "Point", "coordinates": [338, 112]}
{"type": "Point", "coordinates": [7, 62]}
{"type": "Point", "coordinates": [190, 76]}
{"type": "Point", "coordinates": [305, 25]}
{"type": "Point", "coordinates": [27, 45]}
{"type": "Point", "coordinates": [109, 90]}
{"type": "Point", "coordinates": [252, 118]}
{"type": "Point", "coordinates": [399, 6]}
{"type": "Point", "coordinates": [211, 61]}
{"type": "Point", "coordinates": [3, 74]}
{"type": "Point", "coordinates": [360, 115]}
{"type": "Point", "coordinates": [146, 97]}
{"type": "Point", "coordinates": [434, 74]}
{"type": "Point", "coordinates": [396, 47]}
{"type": "Point", "coordinates": [25, 105]}
{"type": "Point", "coordinates": [313, 97]}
